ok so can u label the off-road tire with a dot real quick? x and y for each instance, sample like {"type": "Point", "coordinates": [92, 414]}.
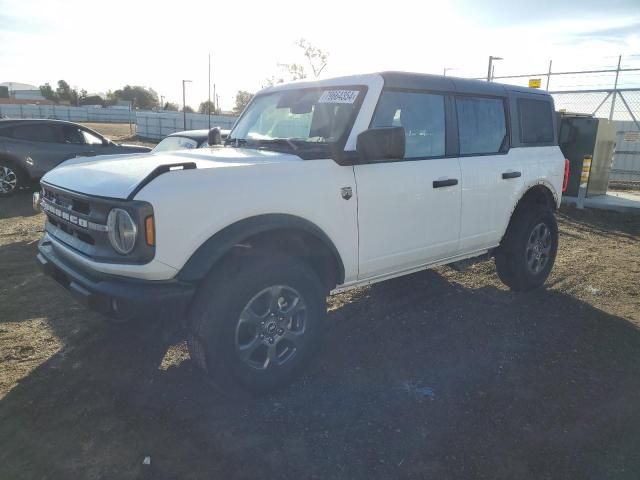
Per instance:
{"type": "Point", "coordinates": [215, 316]}
{"type": "Point", "coordinates": [511, 257]}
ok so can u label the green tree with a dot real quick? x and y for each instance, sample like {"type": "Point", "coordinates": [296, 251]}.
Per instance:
{"type": "Point", "coordinates": [66, 93]}
{"type": "Point", "coordinates": [173, 107]}
{"type": "Point", "coordinates": [47, 92]}
{"type": "Point", "coordinates": [207, 106]}
{"type": "Point", "coordinates": [188, 109]}
{"type": "Point", "coordinates": [91, 100]}
{"type": "Point", "coordinates": [242, 100]}
{"type": "Point", "coordinates": [141, 97]}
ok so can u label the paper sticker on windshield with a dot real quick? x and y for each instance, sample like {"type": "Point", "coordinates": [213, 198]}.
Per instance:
{"type": "Point", "coordinates": [338, 96]}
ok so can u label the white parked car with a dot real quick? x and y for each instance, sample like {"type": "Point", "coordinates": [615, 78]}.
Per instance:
{"type": "Point", "coordinates": [321, 186]}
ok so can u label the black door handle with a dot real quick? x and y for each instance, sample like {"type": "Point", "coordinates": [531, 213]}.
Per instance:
{"type": "Point", "coordinates": [508, 175]}
{"type": "Point", "coordinates": [445, 183]}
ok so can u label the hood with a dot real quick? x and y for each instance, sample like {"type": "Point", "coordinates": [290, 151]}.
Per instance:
{"type": "Point", "coordinates": [116, 176]}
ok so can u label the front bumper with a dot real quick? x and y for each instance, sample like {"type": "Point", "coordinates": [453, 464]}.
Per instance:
{"type": "Point", "coordinates": [116, 296]}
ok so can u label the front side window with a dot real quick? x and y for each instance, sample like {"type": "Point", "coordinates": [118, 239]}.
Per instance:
{"type": "Point", "coordinates": [299, 120]}
{"type": "Point", "coordinates": [422, 117]}
{"type": "Point", "coordinates": [482, 125]}
{"type": "Point", "coordinates": [90, 138]}
{"type": "Point", "coordinates": [175, 143]}
{"type": "Point", "coordinates": [72, 135]}
{"type": "Point", "coordinates": [536, 121]}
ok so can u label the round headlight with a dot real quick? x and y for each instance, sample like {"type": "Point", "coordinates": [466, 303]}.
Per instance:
{"type": "Point", "coordinates": [122, 231]}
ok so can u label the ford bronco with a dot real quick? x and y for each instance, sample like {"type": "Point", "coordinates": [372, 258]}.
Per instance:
{"type": "Point", "coordinates": [320, 186]}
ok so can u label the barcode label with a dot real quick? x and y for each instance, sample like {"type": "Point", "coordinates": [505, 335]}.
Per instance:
{"type": "Point", "coordinates": [338, 96]}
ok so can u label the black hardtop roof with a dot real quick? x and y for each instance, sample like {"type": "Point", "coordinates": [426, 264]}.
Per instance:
{"type": "Point", "coordinates": [423, 81]}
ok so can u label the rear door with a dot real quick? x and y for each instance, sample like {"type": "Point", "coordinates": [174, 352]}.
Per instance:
{"type": "Point", "coordinates": [409, 210]}
{"type": "Point", "coordinates": [37, 144]}
{"type": "Point", "coordinates": [491, 172]}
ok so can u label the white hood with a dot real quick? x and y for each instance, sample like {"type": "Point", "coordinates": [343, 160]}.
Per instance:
{"type": "Point", "coordinates": [116, 176]}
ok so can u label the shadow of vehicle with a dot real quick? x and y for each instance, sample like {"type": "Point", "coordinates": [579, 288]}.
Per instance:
{"type": "Point", "coordinates": [17, 205]}
{"type": "Point", "coordinates": [418, 378]}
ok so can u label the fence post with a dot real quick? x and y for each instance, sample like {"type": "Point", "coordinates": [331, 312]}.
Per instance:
{"type": "Point", "coordinates": [549, 75]}
{"type": "Point", "coordinates": [615, 89]}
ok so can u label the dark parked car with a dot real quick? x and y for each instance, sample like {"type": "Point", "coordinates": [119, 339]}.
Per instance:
{"type": "Point", "coordinates": [186, 140]}
{"type": "Point", "coordinates": [30, 148]}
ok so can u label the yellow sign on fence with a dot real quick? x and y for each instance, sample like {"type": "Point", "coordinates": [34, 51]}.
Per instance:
{"type": "Point", "coordinates": [535, 83]}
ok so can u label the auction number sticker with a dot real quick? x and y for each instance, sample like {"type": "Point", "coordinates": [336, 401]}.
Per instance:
{"type": "Point", "coordinates": [338, 96]}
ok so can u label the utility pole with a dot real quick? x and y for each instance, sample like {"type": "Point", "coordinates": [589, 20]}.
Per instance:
{"type": "Point", "coordinates": [490, 69]}
{"type": "Point", "coordinates": [184, 104]}
{"type": "Point", "coordinates": [209, 98]}
{"type": "Point", "coordinates": [215, 98]}
{"type": "Point", "coordinates": [615, 89]}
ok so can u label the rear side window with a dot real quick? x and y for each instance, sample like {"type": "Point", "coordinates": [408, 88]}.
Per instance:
{"type": "Point", "coordinates": [536, 122]}
{"type": "Point", "coordinates": [421, 115]}
{"type": "Point", "coordinates": [34, 133]}
{"type": "Point", "coordinates": [482, 125]}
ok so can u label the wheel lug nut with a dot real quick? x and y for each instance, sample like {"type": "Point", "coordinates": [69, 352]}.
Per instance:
{"type": "Point", "coordinates": [270, 339]}
{"type": "Point", "coordinates": [280, 331]}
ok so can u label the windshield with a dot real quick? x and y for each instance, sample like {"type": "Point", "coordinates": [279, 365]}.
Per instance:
{"type": "Point", "coordinates": [301, 118]}
{"type": "Point", "coordinates": [175, 143]}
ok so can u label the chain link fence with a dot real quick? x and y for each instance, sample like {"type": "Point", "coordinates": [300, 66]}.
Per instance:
{"type": "Point", "coordinates": [623, 107]}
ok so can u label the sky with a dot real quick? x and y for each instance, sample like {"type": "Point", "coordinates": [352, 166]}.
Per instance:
{"type": "Point", "coordinates": [102, 45]}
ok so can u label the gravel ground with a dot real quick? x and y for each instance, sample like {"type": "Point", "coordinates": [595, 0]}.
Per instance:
{"type": "Point", "coordinates": [440, 374]}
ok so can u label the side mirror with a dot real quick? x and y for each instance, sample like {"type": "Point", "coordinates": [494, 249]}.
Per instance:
{"type": "Point", "coordinates": [215, 137]}
{"type": "Point", "coordinates": [105, 142]}
{"type": "Point", "coordinates": [381, 144]}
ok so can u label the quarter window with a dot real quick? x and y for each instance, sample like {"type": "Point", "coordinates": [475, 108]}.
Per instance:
{"type": "Point", "coordinates": [482, 125]}
{"type": "Point", "coordinates": [421, 115]}
{"type": "Point", "coordinates": [536, 122]}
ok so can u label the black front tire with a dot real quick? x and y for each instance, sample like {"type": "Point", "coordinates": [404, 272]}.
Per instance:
{"type": "Point", "coordinates": [513, 257]}
{"type": "Point", "coordinates": [213, 333]}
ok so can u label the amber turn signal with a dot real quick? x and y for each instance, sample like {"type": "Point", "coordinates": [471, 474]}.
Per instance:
{"type": "Point", "coordinates": [150, 232]}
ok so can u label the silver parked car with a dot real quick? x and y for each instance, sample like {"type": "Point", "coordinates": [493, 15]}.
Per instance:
{"type": "Point", "coordinates": [29, 148]}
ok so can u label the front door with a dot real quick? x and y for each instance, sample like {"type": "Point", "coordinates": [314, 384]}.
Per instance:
{"type": "Point", "coordinates": [409, 209]}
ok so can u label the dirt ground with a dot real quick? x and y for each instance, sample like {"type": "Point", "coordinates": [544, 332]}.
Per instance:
{"type": "Point", "coordinates": [441, 375]}
{"type": "Point", "coordinates": [120, 133]}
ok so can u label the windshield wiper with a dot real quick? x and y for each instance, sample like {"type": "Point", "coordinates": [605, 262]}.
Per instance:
{"type": "Point", "coordinates": [280, 141]}
{"type": "Point", "coordinates": [236, 142]}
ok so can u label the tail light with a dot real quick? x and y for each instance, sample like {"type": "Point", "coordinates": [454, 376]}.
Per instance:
{"type": "Point", "coordinates": [565, 183]}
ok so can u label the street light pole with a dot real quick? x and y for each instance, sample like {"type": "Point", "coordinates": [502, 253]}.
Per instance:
{"type": "Point", "coordinates": [445, 70]}
{"type": "Point", "coordinates": [162, 102]}
{"type": "Point", "coordinates": [184, 104]}
{"type": "Point", "coordinates": [209, 98]}
{"type": "Point", "coordinates": [490, 69]}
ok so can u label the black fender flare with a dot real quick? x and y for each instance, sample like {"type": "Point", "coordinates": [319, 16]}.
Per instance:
{"type": "Point", "coordinates": [218, 245]}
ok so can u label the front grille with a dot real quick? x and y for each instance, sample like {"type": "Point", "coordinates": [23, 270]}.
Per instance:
{"type": "Point", "coordinates": [80, 222]}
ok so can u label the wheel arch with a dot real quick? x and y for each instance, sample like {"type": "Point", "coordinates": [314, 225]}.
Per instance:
{"type": "Point", "coordinates": [540, 193]}
{"type": "Point", "coordinates": [277, 232]}
{"type": "Point", "coordinates": [17, 163]}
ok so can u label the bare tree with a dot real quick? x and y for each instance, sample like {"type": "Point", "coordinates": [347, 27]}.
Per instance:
{"type": "Point", "coordinates": [316, 57]}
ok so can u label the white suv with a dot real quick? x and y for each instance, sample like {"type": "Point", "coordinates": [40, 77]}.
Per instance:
{"type": "Point", "coordinates": [321, 186]}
